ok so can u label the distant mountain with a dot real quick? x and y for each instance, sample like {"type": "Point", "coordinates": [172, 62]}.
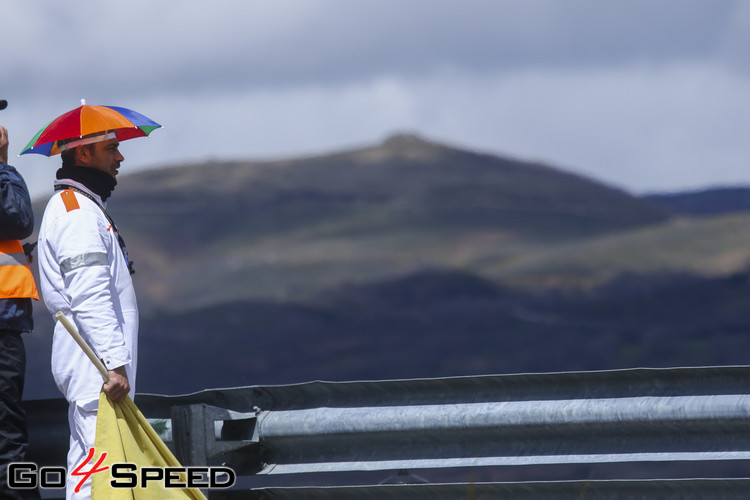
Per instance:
{"type": "Point", "coordinates": [407, 258]}
{"type": "Point", "coordinates": [217, 232]}
{"type": "Point", "coordinates": [704, 202]}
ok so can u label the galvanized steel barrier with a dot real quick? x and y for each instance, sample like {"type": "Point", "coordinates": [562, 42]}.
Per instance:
{"type": "Point", "coordinates": [639, 415]}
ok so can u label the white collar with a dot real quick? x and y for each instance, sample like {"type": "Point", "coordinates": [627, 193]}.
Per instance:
{"type": "Point", "coordinates": [78, 185]}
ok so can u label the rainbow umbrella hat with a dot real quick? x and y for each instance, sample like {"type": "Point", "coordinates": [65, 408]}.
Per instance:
{"type": "Point", "coordinates": [87, 120]}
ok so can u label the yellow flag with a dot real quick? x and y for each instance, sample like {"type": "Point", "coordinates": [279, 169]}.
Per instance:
{"type": "Point", "coordinates": [126, 436]}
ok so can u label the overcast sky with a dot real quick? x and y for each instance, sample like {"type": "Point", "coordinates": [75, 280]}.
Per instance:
{"type": "Point", "coordinates": [646, 95]}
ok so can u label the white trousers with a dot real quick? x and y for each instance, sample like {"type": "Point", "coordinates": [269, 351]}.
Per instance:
{"type": "Point", "coordinates": [82, 422]}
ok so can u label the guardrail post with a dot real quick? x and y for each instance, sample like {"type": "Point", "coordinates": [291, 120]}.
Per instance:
{"type": "Point", "coordinates": [207, 435]}
{"type": "Point", "coordinates": [189, 434]}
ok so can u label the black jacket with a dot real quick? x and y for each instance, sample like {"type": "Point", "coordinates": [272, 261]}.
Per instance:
{"type": "Point", "coordinates": [16, 223]}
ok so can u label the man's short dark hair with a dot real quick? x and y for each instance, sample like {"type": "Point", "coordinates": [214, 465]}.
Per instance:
{"type": "Point", "coordinates": [69, 155]}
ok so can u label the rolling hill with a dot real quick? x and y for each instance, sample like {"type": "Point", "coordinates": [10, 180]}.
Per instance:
{"type": "Point", "coordinates": [215, 232]}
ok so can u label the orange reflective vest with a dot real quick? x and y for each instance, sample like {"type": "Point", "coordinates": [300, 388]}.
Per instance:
{"type": "Point", "coordinates": [16, 280]}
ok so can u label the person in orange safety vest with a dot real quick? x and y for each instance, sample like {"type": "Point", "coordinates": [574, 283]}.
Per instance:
{"type": "Point", "coordinates": [17, 288]}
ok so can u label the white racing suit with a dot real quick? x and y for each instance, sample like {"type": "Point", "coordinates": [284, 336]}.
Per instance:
{"type": "Point", "coordinates": [83, 272]}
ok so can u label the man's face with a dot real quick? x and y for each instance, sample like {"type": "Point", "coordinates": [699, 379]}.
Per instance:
{"type": "Point", "coordinates": [104, 156]}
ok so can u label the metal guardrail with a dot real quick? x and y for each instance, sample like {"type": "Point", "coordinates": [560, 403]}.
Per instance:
{"type": "Point", "coordinates": [680, 414]}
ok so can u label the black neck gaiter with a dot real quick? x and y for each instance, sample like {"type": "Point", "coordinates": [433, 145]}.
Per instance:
{"type": "Point", "coordinates": [96, 180]}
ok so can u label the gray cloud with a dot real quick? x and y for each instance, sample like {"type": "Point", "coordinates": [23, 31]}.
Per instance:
{"type": "Point", "coordinates": [148, 46]}
{"type": "Point", "coordinates": [639, 93]}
